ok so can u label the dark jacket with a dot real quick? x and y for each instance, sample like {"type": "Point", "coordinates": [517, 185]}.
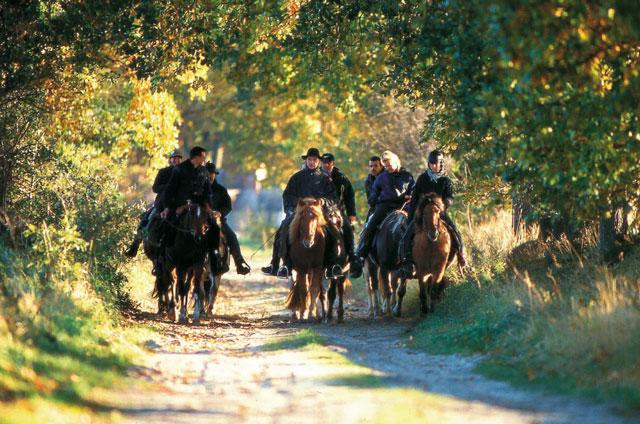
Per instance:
{"type": "Point", "coordinates": [307, 183]}
{"type": "Point", "coordinates": [186, 183]}
{"type": "Point", "coordinates": [344, 191]}
{"type": "Point", "coordinates": [219, 199]}
{"type": "Point", "coordinates": [368, 184]}
{"type": "Point", "coordinates": [391, 187]}
{"type": "Point", "coordinates": [443, 187]}
{"type": "Point", "coordinates": [160, 184]}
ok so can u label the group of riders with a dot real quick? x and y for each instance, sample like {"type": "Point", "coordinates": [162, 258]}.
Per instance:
{"type": "Point", "coordinates": [388, 187]}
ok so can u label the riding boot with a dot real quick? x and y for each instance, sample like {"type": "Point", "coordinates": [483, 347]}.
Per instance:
{"type": "Point", "coordinates": [407, 265]}
{"type": "Point", "coordinates": [458, 236]}
{"type": "Point", "coordinates": [364, 244]}
{"type": "Point", "coordinates": [133, 248]}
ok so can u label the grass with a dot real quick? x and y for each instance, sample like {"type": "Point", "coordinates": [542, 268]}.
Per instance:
{"type": "Point", "coordinates": [60, 348]}
{"type": "Point", "coordinates": [556, 321]}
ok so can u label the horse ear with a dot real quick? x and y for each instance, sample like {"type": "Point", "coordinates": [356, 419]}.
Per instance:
{"type": "Point", "coordinates": [320, 202]}
{"type": "Point", "coordinates": [300, 203]}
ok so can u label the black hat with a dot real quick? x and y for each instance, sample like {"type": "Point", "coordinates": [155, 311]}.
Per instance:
{"type": "Point", "coordinates": [175, 154]}
{"type": "Point", "coordinates": [328, 157]}
{"type": "Point", "coordinates": [211, 168]}
{"type": "Point", "coordinates": [313, 152]}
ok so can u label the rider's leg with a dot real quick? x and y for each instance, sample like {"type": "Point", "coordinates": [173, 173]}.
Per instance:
{"type": "Point", "coordinates": [334, 269]}
{"type": "Point", "coordinates": [368, 232]}
{"type": "Point", "coordinates": [234, 247]}
{"type": "Point", "coordinates": [272, 268]}
{"type": "Point", "coordinates": [458, 236]}
{"type": "Point", "coordinates": [349, 245]}
{"type": "Point", "coordinates": [405, 251]}
{"type": "Point", "coordinates": [145, 219]}
{"type": "Point", "coordinates": [285, 270]}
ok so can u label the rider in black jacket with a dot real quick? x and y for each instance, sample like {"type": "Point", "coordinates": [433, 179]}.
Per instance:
{"type": "Point", "coordinates": [310, 181]}
{"type": "Point", "coordinates": [159, 184]}
{"type": "Point", "coordinates": [432, 180]}
{"type": "Point", "coordinates": [221, 202]}
{"type": "Point", "coordinates": [347, 204]}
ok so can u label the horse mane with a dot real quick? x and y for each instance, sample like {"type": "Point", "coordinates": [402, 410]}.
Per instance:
{"type": "Point", "coordinates": [309, 204]}
{"type": "Point", "coordinates": [425, 200]}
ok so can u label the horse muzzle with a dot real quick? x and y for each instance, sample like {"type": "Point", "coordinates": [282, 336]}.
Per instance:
{"type": "Point", "coordinates": [308, 243]}
{"type": "Point", "coordinates": [433, 235]}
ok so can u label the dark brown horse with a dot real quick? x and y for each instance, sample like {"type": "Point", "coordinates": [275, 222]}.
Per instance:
{"type": "Point", "coordinates": [338, 285]}
{"type": "Point", "coordinates": [216, 264]}
{"type": "Point", "coordinates": [186, 255]}
{"type": "Point", "coordinates": [153, 250]}
{"type": "Point", "coordinates": [308, 241]}
{"type": "Point", "coordinates": [433, 250]}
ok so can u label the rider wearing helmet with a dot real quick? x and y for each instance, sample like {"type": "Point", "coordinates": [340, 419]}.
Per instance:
{"type": "Point", "coordinates": [310, 181]}
{"type": "Point", "coordinates": [159, 184]}
{"type": "Point", "coordinates": [433, 180]}
{"type": "Point", "coordinates": [390, 191]}
{"type": "Point", "coordinates": [221, 201]}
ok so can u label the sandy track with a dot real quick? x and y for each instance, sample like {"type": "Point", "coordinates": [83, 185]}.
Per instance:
{"type": "Point", "coordinates": [220, 372]}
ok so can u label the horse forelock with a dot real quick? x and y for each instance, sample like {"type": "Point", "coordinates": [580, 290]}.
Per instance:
{"type": "Point", "coordinates": [425, 200]}
{"type": "Point", "coordinates": [301, 210]}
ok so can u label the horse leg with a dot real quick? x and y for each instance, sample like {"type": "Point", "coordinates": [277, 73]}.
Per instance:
{"type": "Point", "coordinates": [430, 290]}
{"type": "Point", "coordinates": [402, 290]}
{"type": "Point", "coordinates": [394, 289]}
{"type": "Point", "coordinates": [213, 293]}
{"type": "Point", "coordinates": [423, 295]}
{"type": "Point", "coordinates": [198, 294]}
{"type": "Point", "coordinates": [314, 291]}
{"type": "Point", "coordinates": [439, 290]}
{"type": "Point", "coordinates": [332, 298]}
{"type": "Point", "coordinates": [183, 292]}
{"type": "Point", "coordinates": [386, 288]}
{"type": "Point", "coordinates": [341, 299]}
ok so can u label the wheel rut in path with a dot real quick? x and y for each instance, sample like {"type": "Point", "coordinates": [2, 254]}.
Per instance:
{"type": "Point", "coordinates": [222, 371]}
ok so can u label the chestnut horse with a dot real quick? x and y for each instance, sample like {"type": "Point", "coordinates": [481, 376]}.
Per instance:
{"type": "Point", "coordinates": [308, 241]}
{"type": "Point", "coordinates": [433, 250]}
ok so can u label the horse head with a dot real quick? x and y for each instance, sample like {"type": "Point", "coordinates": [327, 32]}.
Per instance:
{"type": "Point", "coordinates": [428, 215]}
{"type": "Point", "coordinates": [195, 221]}
{"type": "Point", "coordinates": [307, 222]}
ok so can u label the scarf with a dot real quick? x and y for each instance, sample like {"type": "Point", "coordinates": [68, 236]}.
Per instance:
{"type": "Point", "coordinates": [434, 176]}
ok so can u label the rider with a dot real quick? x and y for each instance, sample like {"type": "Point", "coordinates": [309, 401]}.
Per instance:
{"type": "Point", "coordinates": [347, 203]}
{"type": "Point", "coordinates": [310, 181]}
{"type": "Point", "coordinates": [433, 180]}
{"type": "Point", "coordinates": [188, 182]}
{"type": "Point", "coordinates": [159, 184]}
{"type": "Point", "coordinates": [375, 168]}
{"type": "Point", "coordinates": [389, 192]}
{"type": "Point", "coordinates": [221, 202]}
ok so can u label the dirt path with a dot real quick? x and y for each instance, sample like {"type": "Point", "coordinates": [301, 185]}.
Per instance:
{"type": "Point", "coordinates": [222, 371]}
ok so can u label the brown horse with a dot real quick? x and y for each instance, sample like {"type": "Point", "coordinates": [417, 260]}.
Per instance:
{"type": "Point", "coordinates": [338, 285]}
{"type": "Point", "coordinates": [433, 250]}
{"type": "Point", "coordinates": [308, 240]}
{"type": "Point", "coordinates": [187, 254]}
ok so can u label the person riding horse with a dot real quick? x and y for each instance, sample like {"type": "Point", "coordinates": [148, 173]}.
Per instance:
{"type": "Point", "coordinates": [221, 201]}
{"type": "Point", "coordinates": [432, 180]}
{"type": "Point", "coordinates": [188, 183]}
{"type": "Point", "coordinates": [159, 184]}
{"type": "Point", "coordinates": [310, 181]}
{"type": "Point", "coordinates": [390, 191]}
{"type": "Point", "coordinates": [347, 204]}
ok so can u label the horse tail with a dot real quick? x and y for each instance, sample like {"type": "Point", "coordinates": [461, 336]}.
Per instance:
{"type": "Point", "coordinates": [297, 296]}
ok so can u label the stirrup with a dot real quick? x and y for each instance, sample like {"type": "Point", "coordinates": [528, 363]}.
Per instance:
{"type": "Point", "coordinates": [335, 272]}
{"type": "Point", "coordinates": [283, 273]}
{"type": "Point", "coordinates": [269, 270]}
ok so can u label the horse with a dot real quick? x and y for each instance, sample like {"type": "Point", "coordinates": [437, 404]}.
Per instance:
{"type": "Point", "coordinates": [152, 248]}
{"type": "Point", "coordinates": [384, 259]}
{"type": "Point", "coordinates": [339, 284]}
{"type": "Point", "coordinates": [187, 254]}
{"type": "Point", "coordinates": [216, 264]}
{"type": "Point", "coordinates": [433, 251]}
{"type": "Point", "coordinates": [308, 242]}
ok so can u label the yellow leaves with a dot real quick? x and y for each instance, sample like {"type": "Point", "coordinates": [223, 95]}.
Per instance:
{"type": "Point", "coordinates": [584, 33]}
{"type": "Point", "coordinates": [152, 123]}
{"type": "Point", "coordinates": [611, 13]}
{"type": "Point", "coordinates": [195, 76]}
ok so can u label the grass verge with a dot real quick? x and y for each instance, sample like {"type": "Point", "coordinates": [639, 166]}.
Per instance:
{"type": "Point", "coordinates": [556, 321]}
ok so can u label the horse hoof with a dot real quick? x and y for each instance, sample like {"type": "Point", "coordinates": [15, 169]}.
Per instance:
{"type": "Point", "coordinates": [396, 312]}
